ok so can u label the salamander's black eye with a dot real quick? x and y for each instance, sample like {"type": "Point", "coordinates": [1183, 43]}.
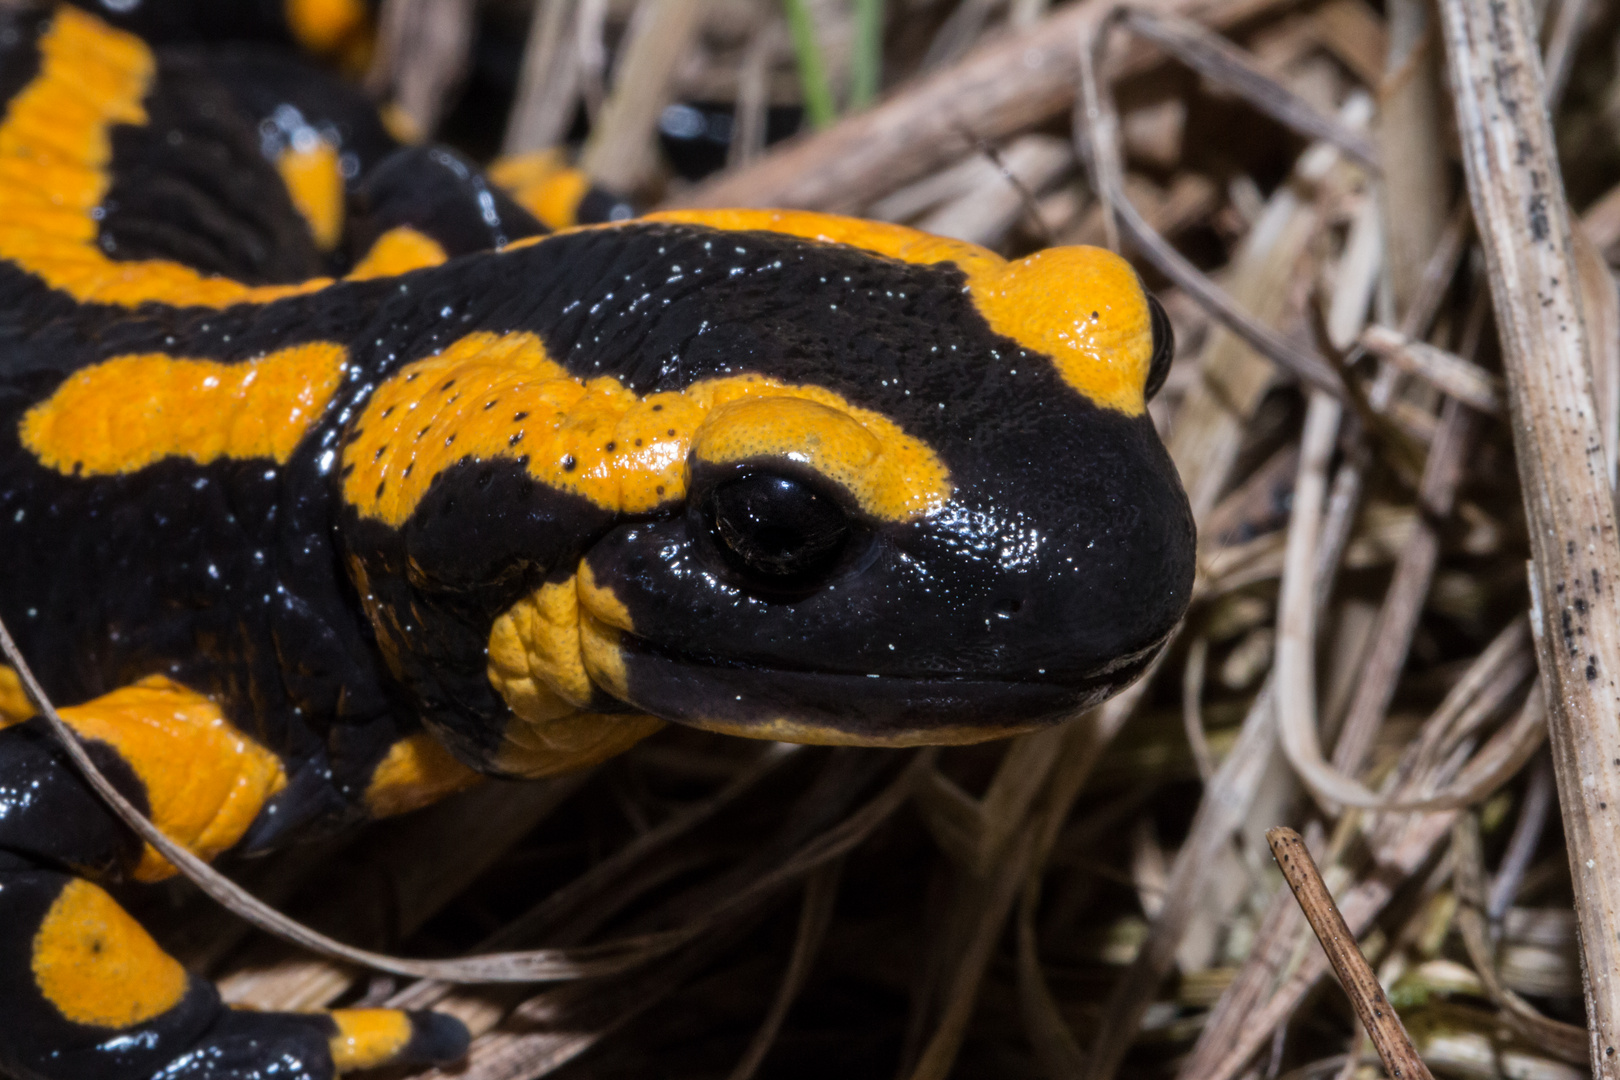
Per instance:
{"type": "Point", "coordinates": [775, 531]}
{"type": "Point", "coordinates": [1164, 346]}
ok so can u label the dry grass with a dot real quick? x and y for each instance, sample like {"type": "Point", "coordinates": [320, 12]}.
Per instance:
{"type": "Point", "coordinates": [1097, 900]}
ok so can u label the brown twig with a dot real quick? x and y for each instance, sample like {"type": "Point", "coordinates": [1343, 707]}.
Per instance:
{"type": "Point", "coordinates": [1389, 1036]}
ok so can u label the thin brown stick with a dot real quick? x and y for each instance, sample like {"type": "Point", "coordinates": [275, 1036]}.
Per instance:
{"type": "Point", "coordinates": [1460, 378]}
{"type": "Point", "coordinates": [1403, 601]}
{"type": "Point", "coordinates": [1355, 974]}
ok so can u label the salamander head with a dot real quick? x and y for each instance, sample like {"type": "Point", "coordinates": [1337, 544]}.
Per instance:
{"type": "Point", "coordinates": [884, 490]}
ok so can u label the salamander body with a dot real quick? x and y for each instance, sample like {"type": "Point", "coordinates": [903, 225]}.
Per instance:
{"type": "Point", "coordinates": [324, 492]}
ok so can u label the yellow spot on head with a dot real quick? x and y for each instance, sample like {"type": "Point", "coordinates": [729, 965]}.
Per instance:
{"type": "Point", "coordinates": [489, 396]}
{"type": "Point", "coordinates": [1045, 302]}
{"type": "Point", "coordinates": [314, 180]}
{"type": "Point", "coordinates": [367, 1038]}
{"type": "Point", "coordinates": [131, 411]}
{"type": "Point", "coordinates": [416, 772]}
{"type": "Point", "coordinates": [205, 781]}
{"type": "Point", "coordinates": [397, 251]}
{"type": "Point", "coordinates": [97, 966]}
{"type": "Point", "coordinates": [1083, 307]}
{"type": "Point", "coordinates": [544, 184]}
{"type": "Point", "coordinates": [14, 704]}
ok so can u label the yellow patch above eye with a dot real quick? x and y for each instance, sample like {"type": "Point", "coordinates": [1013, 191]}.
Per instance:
{"type": "Point", "coordinates": [97, 966]}
{"type": "Point", "coordinates": [131, 411]}
{"type": "Point", "coordinates": [491, 396]}
{"type": "Point", "coordinates": [891, 476]}
{"type": "Point", "coordinates": [1082, 307]}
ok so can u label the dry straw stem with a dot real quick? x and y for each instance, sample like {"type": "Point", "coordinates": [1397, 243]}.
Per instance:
{"type": "Point", "coordinates": [1412, 139]}
{"type": "Point", "coordinates": [1096, 124]}
{"type": "Point", "coordinates": [534, 966]}
{"type": "Point", "coordinates": [1355, 974]}
{"type": "Point", "coordinates": [1398, 845]}
{"type": "Point", "coordinates": [422, 52]}
{"type": "Point", "coordinates": [983, 903]}
{"type": "Point", "coordinates": [1007, 86]}
{"type": "Point", "coordinates": [1564, 1041]}
{"type": "Point", "coordinates": [1445, 371]}
{"type": "Point", "coordinates": [543, 106]}
{"type": "Point", "coordinates": [621, 152]}
{"type": "Point", "coordinates": [391, 890]}
{"type": "Point", "coordinates": [1524, 225]}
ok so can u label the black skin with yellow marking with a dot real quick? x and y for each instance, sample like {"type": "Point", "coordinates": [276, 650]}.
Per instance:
{"type": "Point", "coordinates": [1048, 578]}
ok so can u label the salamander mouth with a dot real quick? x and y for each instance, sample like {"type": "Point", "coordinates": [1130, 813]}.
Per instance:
{"type": "Point", "coordinates": [807, 706]}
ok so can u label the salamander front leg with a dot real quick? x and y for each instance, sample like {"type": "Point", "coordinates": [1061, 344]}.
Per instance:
{"type": "Point", "coordinates": [88, 995]}
{"type": "Point", "coordinates": [85, 992]}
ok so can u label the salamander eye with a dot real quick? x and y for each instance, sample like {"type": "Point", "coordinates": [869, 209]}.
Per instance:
{"type": "Point", "coordinates": [1164, 347]}
{"type": "Point", "coordinates": [776, 531]}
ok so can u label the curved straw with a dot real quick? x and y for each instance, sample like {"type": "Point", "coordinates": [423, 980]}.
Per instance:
{"type": "Point", "coordinates": [1295, 666]}
{"type": "Point", "coordinates": [538, 965]}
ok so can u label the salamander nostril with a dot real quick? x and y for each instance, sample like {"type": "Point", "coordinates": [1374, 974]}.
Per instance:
{"type": "Point", "coordinates": [1007, 607]}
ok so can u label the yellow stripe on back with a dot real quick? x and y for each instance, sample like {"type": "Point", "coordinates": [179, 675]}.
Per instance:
{"type": "Point", "coordinates": [489, 396]}
{"type": "Point", "coordinates": [55, 151]}
{"type": "Point", "coordinates": [131, 411]}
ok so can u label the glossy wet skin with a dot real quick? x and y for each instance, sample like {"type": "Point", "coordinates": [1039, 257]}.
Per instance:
{"type": "Point", "coordinates": [771, 604]}
{"type": "Point", "coordinates": [316, 506]}
{"type": "Point", "coordinates": [815, 494]}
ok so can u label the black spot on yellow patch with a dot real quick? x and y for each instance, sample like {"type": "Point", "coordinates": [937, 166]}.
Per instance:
{"type": "Point", "coordinates": [97, 966]}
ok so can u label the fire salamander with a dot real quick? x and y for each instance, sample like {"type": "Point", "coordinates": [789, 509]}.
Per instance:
{"type": "Point", "coordinates": [330, 480]}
